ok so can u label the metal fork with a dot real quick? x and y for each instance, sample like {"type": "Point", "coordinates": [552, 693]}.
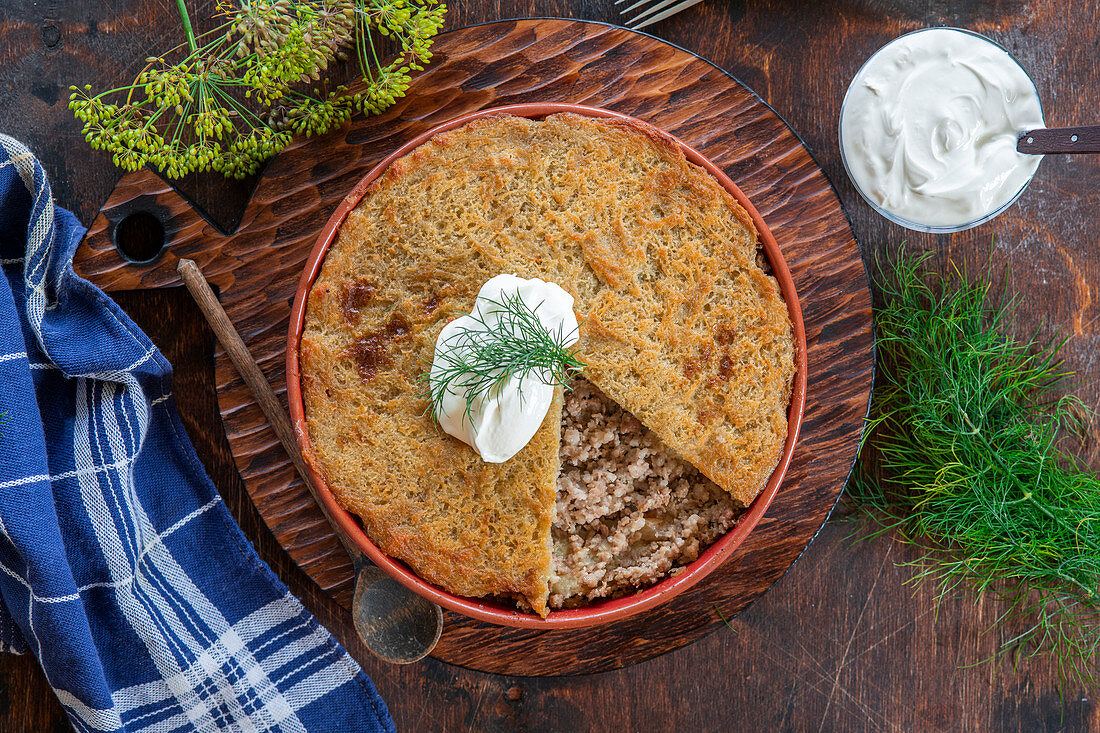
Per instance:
{"type": "Point", "coordinates": [660, 7]}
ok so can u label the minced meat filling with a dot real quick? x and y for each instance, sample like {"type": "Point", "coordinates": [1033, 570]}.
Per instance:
{"type": "Point", "coordinates": [628, 510]}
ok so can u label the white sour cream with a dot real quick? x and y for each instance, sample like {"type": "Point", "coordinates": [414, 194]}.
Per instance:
{"type": "Point", "coordinates": [500, 423]}
{"type": "Point", "coordinates": [929, 128]}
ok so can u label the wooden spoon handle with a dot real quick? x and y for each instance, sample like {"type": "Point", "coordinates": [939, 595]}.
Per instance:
{"type": "Point", "coordinates": [393, 622]}
{"type": "Point", "coordinates": [248, 369]}
{"type": "Point", "coordinates": [1080, 139]}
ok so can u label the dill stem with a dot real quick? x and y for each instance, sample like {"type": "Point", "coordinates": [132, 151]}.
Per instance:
{"type": "Point", "coordinates": [185, 18]}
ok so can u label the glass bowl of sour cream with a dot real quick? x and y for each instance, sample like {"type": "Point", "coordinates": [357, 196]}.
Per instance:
{"type": "Point", "coordinates": [929, 125]}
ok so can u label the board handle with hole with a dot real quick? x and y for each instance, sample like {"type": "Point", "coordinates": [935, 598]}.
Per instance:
{"type": "Point", "coordinates": [1047, 140]}
{"type": "Point", "coordinates": [140, 234]}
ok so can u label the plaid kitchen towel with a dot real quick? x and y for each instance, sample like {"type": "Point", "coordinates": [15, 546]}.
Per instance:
{"type": "Point", "coordinates": [120, 567]}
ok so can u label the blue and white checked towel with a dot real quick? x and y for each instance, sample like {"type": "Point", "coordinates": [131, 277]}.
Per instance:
{"type": "Point", "coordinates": [120, 567]}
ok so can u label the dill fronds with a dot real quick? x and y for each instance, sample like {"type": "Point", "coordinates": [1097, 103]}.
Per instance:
{"type": "Point", "coordinates": [481, 358]}
{"type": "Point", "coordinates": [970, 432]}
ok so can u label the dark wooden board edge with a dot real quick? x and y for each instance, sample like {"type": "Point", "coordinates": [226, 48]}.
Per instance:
{"type": "Point", "coordinates": [457, 623]}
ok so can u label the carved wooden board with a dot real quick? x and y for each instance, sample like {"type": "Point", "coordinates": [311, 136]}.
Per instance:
{"type": "Point", "coordinates": [257, 269]}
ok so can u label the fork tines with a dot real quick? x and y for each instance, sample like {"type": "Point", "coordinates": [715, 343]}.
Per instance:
{"type": "Point", "coordinates": [657, 11]}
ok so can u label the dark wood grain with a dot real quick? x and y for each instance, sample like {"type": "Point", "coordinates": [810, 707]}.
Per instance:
{"type": "Point", "coordinates": [258, 268]}
{"type": "Point", "coordinates": [839, 643]}
{"type": "Point", "coordinates": [1078, 139]}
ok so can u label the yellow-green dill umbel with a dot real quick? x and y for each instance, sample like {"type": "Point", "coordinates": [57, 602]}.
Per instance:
{"type": "Point", "coordinates": [229, 99]}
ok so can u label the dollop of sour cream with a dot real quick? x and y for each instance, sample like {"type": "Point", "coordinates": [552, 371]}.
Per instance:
{"type": "Point", "coordinates": [929, 128]}
{"type": "Point", "coordinates": [500, 423]}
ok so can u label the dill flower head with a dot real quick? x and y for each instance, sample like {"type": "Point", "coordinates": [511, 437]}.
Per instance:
{"type": "Point", "coordinates": [236, 94]}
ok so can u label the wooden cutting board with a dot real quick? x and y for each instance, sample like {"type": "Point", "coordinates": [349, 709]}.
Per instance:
{"type": "Point", "coordinates": [257, 268]}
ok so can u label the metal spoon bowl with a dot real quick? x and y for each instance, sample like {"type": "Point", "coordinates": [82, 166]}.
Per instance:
{"type": "Point", "coordinates": [393, 622]}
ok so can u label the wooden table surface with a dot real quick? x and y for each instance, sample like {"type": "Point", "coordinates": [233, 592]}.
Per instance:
{"type": "Point", "coordinates": [840, 643]}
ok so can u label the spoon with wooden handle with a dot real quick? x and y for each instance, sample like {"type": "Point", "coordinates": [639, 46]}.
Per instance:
{"type": "Point", "coordinates": [1082, 139]}
{"type": "Point", "coordinates": [396, 624]}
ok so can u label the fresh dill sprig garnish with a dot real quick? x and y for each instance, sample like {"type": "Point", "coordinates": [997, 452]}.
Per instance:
{"type": "Point", "coordinates": [481, 358]}
{"type": "Point", "coordinates": [969, 456]}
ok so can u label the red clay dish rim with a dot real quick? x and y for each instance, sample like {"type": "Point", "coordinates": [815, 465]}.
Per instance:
{"type": "Point", "coordinates": [599, 612]}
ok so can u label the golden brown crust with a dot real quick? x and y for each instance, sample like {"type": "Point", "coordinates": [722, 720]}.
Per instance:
{"type": "Point", "coordinates": [678, 325]}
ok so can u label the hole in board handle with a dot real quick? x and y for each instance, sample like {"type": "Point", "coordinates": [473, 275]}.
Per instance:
{"type": "Point", "coordinates": [139, 237]}
{"type": "Point", "coordinates": [1073, 138]}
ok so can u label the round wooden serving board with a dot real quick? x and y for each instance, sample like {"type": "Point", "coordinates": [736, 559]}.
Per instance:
{"type": "Point", "coordinates": [536, 60]}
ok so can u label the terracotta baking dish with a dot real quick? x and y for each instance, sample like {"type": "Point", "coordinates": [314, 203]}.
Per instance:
{"type": "Point", "coordinates": [602, 611]}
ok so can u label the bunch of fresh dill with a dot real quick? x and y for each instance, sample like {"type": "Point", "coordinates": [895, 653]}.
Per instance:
{"type": "Point", "coordinates": [971, 460]}
{"type": "Point", "coordinates": [231, 98]}
{"type": "Point", "coordinates": [482, 357]}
